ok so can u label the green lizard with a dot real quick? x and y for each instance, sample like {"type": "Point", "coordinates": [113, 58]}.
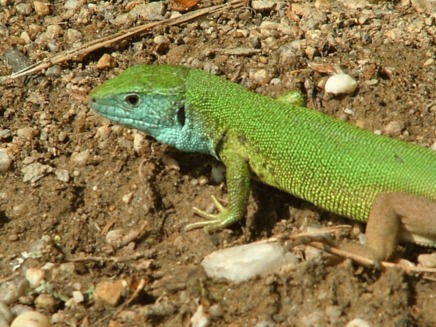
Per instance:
{"type": "Point", "coordinates": [388, 183]}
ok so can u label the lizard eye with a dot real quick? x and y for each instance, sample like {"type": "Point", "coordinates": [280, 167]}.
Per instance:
{"type": "Point", "coordinates": [132, 99]}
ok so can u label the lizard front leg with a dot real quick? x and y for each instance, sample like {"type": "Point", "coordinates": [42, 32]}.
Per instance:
{"type": "Point", "coordinates": [238, 188]}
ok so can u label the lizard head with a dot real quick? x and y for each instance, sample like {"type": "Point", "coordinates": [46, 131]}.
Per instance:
{"type": "Point", "coordinates": [147, 98]}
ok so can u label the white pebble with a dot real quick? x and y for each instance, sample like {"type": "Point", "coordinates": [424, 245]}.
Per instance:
{"type": "Point", "coordinates": [46, 303]}
{"type": "Point", "coordinates": [53, 31]}
{"type": "Point", "coordinates": [170, 162]}
{"type": "Point", "coordinates": [78, 297]}
{"type": "Point", "coordinates": [264, 5]}
{"type": "Point", "coordinates": [200, 318]}
{"type": "Point", "coordinates": [103, 132]}
{"type": "Point", "coordinates": [427, 260]}
{"type": "Point", "coordinates": [62, 174]}
{"type": "Point", "coordinates": [26, 133]}
{"type": "Point", "coordinates": [24, 8]}
{"type": "Point", "coordinates": [10, 291]}
{"type": "Point", "coordinates": [394, 127]}
{"type": "Point", "coordinates": [138, 142]}
{"type": "Point", "coordinates": [25, 37]}
{"type": "Point", "coordinates": [80, 158]}
{"type": "Point", "coordinates": [114, 237]}
{"type": "Point", "coordinates": [35, 171]}
{"type": "Point", "coordinates": [218, 173]}
{"type": "Point", "coordinates": [31, 319]}
{"type": "Point", "coordinates": [127, 197]}
{"type": "Point", "coordinates": [34, 276]}
{"type": "Point", "coordinates": [160, 39]}
{"type": "Point", "coordinates": [340, 84]}
{"type": "Point", "coordinates": [261, 76]}
{"type": "Point", "coordinates": [71, 4]}
{"type": "Point", "coordinates": [74, 35]}
{"type": "Point", "coordinates": [358, 322]}
{"type": "Point", "coordinates": [5, 160]}
{"type": "Point", "coordinates": [148, 11]}
{"type": "Point", "coordinates": [244, 262]}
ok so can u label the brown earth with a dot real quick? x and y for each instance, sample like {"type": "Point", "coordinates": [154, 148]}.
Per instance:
{"type": "Point", "coordinates": [78, 184]}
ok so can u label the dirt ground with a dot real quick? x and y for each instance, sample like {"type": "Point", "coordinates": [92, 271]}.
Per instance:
{"type": "Point", "coordinates": [98, 208]}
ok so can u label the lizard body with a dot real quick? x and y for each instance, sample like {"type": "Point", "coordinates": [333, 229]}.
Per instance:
{"type": "Point", "coordinates": [349, 171]}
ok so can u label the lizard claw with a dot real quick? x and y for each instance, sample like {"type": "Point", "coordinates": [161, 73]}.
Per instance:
{"type": "Point", "coordinates": [214, 221]}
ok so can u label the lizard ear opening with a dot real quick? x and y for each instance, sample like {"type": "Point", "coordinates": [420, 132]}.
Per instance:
{"type": "Point", "coordinates": [181, 116]}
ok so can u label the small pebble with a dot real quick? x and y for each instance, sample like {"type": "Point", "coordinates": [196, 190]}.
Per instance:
{"type": "Point", "coordinates": [106, 61]}
{"type": "Point", "coordinates": [5, 160]}
{"type": "Point", "coordinates": [41, 8]}
{"type": "Point", "coordinates": [358, 322]}
{"type": "Point", "coordinates": [138, 142]}
{"type": "Point", "coordinates": [203, 180]}
{"type": "Point", "coordinates": [160, 39]}
{"type": "Point", "coordinates": [216, 310]}
{"type": "Point", "coordinates": [62, 174]}
{"type": "Point", "coordinates": [20, 209]}
{"type": "Point", "coordinates": [62, 135]}
{"type": "Point", "coordinates": [24, 8]}
{"type": "Point", "coordinates": [200, 318]}
{"type": "Point", "coordinates": [78, 297]}
{"type": "Point", "coordinates": [261, 76]}
{"type": "Point", "coordinates": [127, 198]}
{"type": "Point", "coordinates": [311, 52]}
{"type": "Point", "coordinates": [109, 292]}
{"type": "Point", "coordinates": [427, 260]}
{"type": "Point", "coordinates": [394, 128]}
{"type": "Point", "coordinates": [54, 71]}
{"type": "Point", "coordinates": [340, 84]}
{"type": "Point", "coordinates": [80, 158]}
{"type": "Point", "coordinates": [40, 246]}
{"type": "Point", "coordinates": [264, 5]}
{"type": "Point", "coordinates": [34, 276]}
{"type": "Point", "coordinates": [68, 268]}
{"type": "Point", "coordinates": [71, 4]}
{"type": "Point", "coordinates": [170, 162]}
{"type": "Point", "coordinates": [13, 237]}
{"type": "Point", "coordinates": [16, 59]}
{"type": "Point", "coordinates": [31, 319]}
{"type": "Point", "coordinates": [5, 133]}
{"type": "Point", "coordinates": [53, 31]}
{"type": "Point", "coordinates": [103, 132]}
{"type": "Point", "coordinates": [10, 291]}
{"type": "Point", "coordinates": [26, 133]}
{"type": "Point", "coordinates": [429, 62]}
{"type": "Point", "coordinates": [46, 302]}
{"type": "Point", "coordinates": [148, 11]}
{"type": "Point", "coordinates": [218, 174]}
{"type": "Point", "coordinates": [371, 82]}
{"type": "Point", "coordinates": [35, 171]}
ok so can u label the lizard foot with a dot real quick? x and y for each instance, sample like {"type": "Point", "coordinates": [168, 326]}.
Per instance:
{"type": "Point", "coordinates": [214, 221]}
